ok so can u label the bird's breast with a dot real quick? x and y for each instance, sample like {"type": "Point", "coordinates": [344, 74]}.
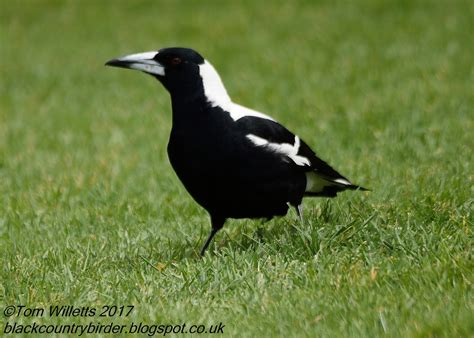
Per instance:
{"type": "Point", "coordinates": [193, 153]}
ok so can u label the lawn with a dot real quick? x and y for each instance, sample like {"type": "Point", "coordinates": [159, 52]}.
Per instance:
{"type": "Point", "coordinates": [91, 213]}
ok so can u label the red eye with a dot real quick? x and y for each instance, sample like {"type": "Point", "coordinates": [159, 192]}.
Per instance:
{"type": "Point", "coordinates": [175, 61]}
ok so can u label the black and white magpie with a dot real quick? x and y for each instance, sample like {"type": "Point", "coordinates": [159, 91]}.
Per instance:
{"type": "Point", "coordinates": [234, 161]}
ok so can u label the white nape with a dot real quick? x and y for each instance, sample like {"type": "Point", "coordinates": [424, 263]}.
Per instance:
{"type": "Point", "coordinates": [286, 149]}
{"type": "Point", "coordinates": [217, 96]}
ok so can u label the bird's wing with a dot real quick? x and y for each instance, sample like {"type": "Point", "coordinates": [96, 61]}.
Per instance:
{"type": "Point", "coordinates": [322, 179]}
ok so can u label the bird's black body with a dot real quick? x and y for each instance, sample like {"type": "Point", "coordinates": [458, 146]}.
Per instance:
{"type": "Point", "coordinates": [235, 162]}
{"type": "Point", "coordinates": [231, 179]}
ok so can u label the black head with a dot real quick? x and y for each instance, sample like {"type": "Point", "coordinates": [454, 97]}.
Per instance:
{"type": "Point", "coordinates": [178, 69]}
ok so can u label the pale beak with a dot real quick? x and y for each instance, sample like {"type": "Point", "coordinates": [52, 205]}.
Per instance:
{"type": "Point", "coordinates": [142, 61]}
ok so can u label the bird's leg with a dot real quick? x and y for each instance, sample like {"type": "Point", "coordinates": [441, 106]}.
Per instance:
{"type": "Point", "coordinates": [299, 211]}
{"type": "Point", "coordinates": [209, 239]}
{"type": "Point", "coordinates": [217, 224]}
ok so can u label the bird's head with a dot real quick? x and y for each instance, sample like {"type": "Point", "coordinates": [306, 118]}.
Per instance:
{"type": "Point", "coordinates": [180, 70]}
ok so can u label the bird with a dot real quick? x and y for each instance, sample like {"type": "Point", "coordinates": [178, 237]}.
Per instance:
{"type": "Point", "coordinates": [234, 161]}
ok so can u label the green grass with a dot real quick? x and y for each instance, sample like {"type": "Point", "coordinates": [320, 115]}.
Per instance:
{"type": "Point", "coordinates": [91, 212]}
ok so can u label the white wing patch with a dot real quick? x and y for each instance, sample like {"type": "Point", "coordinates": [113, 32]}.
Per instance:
{"type": "Point", "coordinates": [286, 149]}
{"type": "Point", "coordinates": [216, 94]}
{"type": "Point", "coordinates": [258, 141]}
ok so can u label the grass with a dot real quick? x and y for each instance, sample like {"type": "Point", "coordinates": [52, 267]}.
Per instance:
{"type": "Point", "coordinates": [92, 214]}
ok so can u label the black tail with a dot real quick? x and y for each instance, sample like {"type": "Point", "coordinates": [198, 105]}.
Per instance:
{"type": "Point", "coordinates": [356, 187]}
{"type": "Point", "coordinates": [332, 190]}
